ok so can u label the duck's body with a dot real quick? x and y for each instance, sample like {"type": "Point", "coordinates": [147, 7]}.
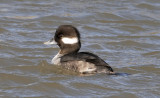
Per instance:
{"type": "Point", "coordinates": [67, 38]}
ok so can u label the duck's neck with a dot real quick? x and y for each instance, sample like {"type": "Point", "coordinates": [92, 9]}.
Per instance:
{"type": "Point", "coordinates": [67, 49]}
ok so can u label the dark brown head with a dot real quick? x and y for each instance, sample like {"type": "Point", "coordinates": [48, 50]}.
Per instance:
{"type": "Point", "coordinates": [67, 37]}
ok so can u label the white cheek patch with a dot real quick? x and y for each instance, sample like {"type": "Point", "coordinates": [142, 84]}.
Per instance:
{"type": "Point", "coordinates": [67, 40]}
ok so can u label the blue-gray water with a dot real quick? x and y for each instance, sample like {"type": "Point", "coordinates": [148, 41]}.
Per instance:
{"type": "Point", "coordinates": [125, 33]}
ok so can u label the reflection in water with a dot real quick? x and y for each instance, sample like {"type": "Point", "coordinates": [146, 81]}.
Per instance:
{"type": "Point", "coordinates": [125, 33]}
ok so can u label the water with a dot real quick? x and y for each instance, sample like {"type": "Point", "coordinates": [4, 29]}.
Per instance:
{"type": "Point", "coordinates": [124, 33]}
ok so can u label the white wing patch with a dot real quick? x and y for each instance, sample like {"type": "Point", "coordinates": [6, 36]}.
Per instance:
{"type": "Point", "coordinates": [67, 40]}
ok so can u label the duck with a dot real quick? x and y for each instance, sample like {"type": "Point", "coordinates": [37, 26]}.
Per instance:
{"type": "Point", "coordinates": [67, 37]}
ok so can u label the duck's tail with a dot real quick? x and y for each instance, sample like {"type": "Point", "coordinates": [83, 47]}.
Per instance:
{"type": "Point", "coordinates": [119, 74]}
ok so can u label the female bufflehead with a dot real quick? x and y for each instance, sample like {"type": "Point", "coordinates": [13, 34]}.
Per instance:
{"type": "Point", "coordinates": [67, 37]}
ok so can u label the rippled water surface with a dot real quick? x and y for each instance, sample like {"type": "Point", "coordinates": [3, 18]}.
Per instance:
{"type": "Point", "coordinates": [125, 33]}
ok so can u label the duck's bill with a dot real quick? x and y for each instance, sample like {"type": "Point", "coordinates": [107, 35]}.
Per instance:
{"type": "Point", "coordinates": [50, 42]}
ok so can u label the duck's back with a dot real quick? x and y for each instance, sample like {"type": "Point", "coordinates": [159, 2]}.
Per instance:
{"type": "Point", "coordinates": [85, 62]}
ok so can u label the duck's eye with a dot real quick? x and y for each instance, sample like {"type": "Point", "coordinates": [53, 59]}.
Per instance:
{"type": "Point", "coordinates": [60, 35]}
